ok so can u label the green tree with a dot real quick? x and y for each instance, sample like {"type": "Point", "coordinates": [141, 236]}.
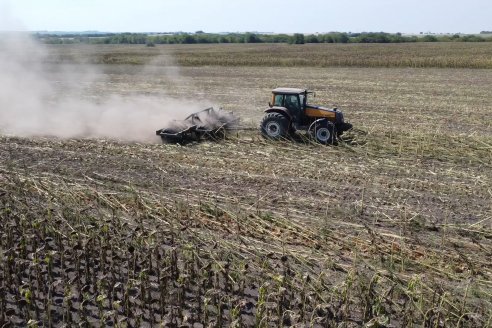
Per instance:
{"type": "Point", "coordinates": [429, 38]}
{"type": "Point", "coordinates": [298, 38]}
{"type": "Point", "coordinates": [251, 38]}
{"type": "Point", "coordinates": [187, 39]}
{"type": "Point", "coordinates": [472, 38]}
{"type": "Point", "coordinates": [339, 37]}
{"type": "Point", "coordinates": [312, 39]}
{"type": "Point", "coordinates": [224, 39]}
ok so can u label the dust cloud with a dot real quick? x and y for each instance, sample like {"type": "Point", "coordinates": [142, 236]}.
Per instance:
{"type": "Point", "coordinates": [32, 102]}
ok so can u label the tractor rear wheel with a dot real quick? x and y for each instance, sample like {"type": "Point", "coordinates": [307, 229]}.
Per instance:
{"type": "Point", "coordinates": [324, 132]}
{"type": "Point", "coordinates": [275, 126]}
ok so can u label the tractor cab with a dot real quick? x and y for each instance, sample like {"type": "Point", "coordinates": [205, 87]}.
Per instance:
{"type": "Point", "coordinates": [294, 101]}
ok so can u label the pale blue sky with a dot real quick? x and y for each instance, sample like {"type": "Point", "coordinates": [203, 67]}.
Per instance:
{"type": "Point", "coordinates": [287, 16]}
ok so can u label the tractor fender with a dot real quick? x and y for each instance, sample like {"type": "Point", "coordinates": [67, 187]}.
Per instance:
{"type": "Point", "coordinates": [320, 120]}
{"type": "Point", "coordinates": [280, 110]}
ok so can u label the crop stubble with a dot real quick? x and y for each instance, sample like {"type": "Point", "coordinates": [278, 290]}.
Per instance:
{"type": "Point", "coordinates": [393, 223]}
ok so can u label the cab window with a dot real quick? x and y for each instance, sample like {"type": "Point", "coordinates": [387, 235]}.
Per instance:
{"type": "Point", "coordinates": [292, 102]}
{"type": "Point", "coordinates": [301, 98]}
{"type": "Point", "coordinates": [279, 100]}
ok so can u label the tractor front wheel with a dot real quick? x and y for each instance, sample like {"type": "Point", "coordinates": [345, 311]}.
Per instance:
{"type": "Point", "coordinates": [275, 126]}
{"type": "Point", "coordinates": [323, 132]}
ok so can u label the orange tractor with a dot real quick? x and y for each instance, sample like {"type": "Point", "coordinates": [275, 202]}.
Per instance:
{"type": "Point", "coordinates": [290, 112]}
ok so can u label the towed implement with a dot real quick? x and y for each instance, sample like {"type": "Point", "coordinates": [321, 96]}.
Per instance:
{"type": "Point", "coordinates": [209, 123]}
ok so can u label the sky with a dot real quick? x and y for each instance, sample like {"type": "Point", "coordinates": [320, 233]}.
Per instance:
{"type": "Point", "coordinates": [278, 16]}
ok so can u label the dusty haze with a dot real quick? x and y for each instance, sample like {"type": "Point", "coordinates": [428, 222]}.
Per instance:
{"type": "Point", "coordinates": [31, 103]}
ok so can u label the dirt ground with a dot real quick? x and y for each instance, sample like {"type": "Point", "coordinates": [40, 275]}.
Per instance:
{"type": "Point", "coordinates": [411, 185]}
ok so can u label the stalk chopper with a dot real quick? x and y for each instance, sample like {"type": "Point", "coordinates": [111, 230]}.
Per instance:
{"type": "Point", "coordinates": [209, 123]}
{"type": "Point", "coordinates": [288, 113]}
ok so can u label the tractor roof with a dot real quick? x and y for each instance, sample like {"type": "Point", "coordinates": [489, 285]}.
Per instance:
{"type": "Point", "coordinates": [289, 91]}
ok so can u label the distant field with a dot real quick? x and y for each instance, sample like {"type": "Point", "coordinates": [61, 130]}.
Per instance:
{"type": "Point", "coordinates": [391, 228]}
{"type": "Point", "coordinates": [440, 55]}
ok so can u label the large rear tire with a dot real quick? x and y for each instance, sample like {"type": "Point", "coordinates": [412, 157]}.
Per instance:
{"type": "Point", "coordinates": [324, 132]}
{"type": "Point", "coordinates": [275, 126]}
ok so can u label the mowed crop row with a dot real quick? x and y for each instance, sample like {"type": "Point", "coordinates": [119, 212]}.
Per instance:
{"type": "Point", "coordinates": [243, 232]}
{"type": "Point", "coordinates": [440, 55]}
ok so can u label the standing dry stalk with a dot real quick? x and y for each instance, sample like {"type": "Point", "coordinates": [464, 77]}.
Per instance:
{"type": "Point", "coordinates": [220, 314]}
{"type": "Point", "coordinates": [48, 305]}
{"type": "Point", "coordinates": [163, 281]}
{"type": "Point", "coordinates": [361, 210]}
{"type": "Point", "coordinates": [206, 301]}
{"type": "Point", "coordinates": [235, 314]}
{"type": "Point", "coordinates": [225, 273]}
{"type": "Point", "coordinates": [67, 314]}
{"type": "Point", "coordinates": [465, 297]}
{"type": "Point", "coordinates": [3, 306]}
{"type": "Point", "coordinates": [261, 306]}
{"type": "Point", "coordinates": [100, 299]}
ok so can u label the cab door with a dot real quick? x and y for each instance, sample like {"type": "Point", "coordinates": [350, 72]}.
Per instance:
{"type": "Point", "coordinates": [293, 105]}
{"type": "Point", "coordinates": [303, 119]}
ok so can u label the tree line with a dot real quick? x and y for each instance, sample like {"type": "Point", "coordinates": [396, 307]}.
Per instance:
{"type": "Point", "coordinates": [203, 38]}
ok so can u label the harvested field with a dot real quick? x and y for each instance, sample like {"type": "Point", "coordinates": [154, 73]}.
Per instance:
{"type": "Point", "coordinates": [393, 227]}
{"type": "Point", "coordinates": [440, 55]}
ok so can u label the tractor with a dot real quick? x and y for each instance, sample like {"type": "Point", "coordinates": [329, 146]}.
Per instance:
{"type": "Point", "coordinates": [289, 111]}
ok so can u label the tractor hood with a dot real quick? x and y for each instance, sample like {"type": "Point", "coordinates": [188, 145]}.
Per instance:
{"type": "Point", "coordinates": [322, 108]}
{"type": "Point", "coordinates": [314, 111]}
